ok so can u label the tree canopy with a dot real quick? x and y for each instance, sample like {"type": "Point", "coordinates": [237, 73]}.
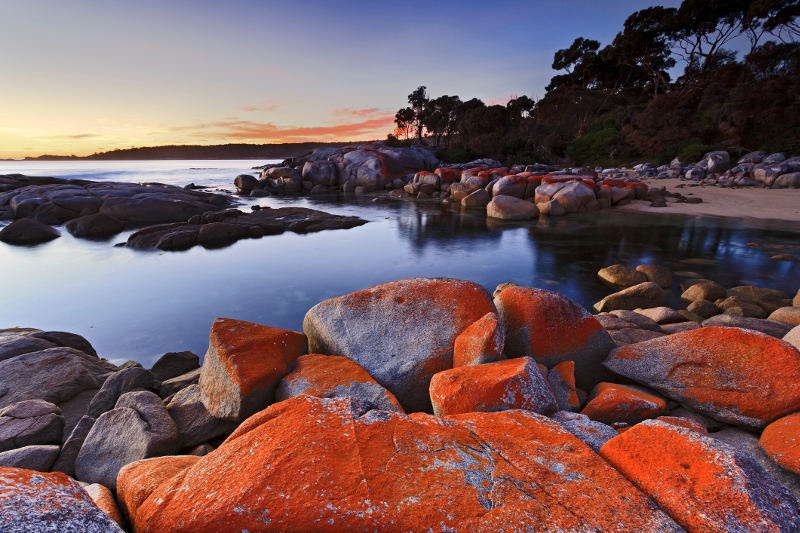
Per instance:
{"type": "Point", "coordinates": [710, 74]}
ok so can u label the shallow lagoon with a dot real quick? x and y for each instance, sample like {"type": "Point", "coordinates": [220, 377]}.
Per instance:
{"type": "Point", "coordinates": [138, 305]}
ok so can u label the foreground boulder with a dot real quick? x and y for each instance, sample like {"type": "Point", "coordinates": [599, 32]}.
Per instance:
{"type": "Point", "coordinates": [647, 294]}
{"type": "Point", "coordinates": [511, 384]}
{"type": "Point", "coordinates": [402, 332]}
{"type": "Point", "coordinates": [611, 402]}
{"type": "Point", "coordinates": [482, 342]}
{"type": "Point", "coordinates": [30, 422]}
{"type": "Point", "coordinates": [551, 328]}
{"type": "Point", "coordinates": [734, 375]}
{"type": "Point", "coordinates": [390, 472]}
{"type": "Point", "coordinates": [243, 366]}
{"type": "Point", "coordinates": [704, 484]}
{"type": "Point", "coordinates": [33, 501]}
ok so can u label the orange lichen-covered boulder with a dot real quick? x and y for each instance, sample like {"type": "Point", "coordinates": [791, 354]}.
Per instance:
{"type": "Point", "coordinates": [552, 328]}
{"type": "Point", "coordinates": [734, 375]}
{"type": "Point", "coordinates": [611, 402]}
{"type": "Point", "coordinates": [482, 342]}
{"type": "Point", "coordinates": [402, 332]}
{"type": "Point", "coordinates": [136, 481]}
{"type": "Point", "coordinates": [561, 379]}
{"type": "Point", "coordinates": [243, 365]}
{"type": "Point", "coordinates": [448, 174]}
{"type": "Point", "coordinates": [704, 484]}
{"type": "Point", "coordinates": [104, 499]}
{"type": "Point", "coordinates": [510, 384]}
{"type": "Point", "coordinates": [35, 501]}
{"type": "Point", "coordinates": [334, 376]}
{"type": "Point", "coordinates": [781, 442]}
{"type": "Point", "coordinates": [314, 464]}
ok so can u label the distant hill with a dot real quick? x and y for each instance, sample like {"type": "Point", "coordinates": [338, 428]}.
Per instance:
{"type": "Point", "coordinates": [219, 151]}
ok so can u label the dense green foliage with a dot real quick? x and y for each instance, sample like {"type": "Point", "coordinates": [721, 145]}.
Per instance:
{"type": "Point", "coordinates": [618, 103]}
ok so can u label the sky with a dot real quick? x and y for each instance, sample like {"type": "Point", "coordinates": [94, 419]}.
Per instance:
{"type": "Point", "coordinates": [83, 76]}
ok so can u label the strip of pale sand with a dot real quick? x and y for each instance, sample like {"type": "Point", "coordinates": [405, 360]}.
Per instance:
{"type": "Point", "coordinates": [745, 202]}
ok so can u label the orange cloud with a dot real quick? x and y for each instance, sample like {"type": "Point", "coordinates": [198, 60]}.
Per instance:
{"type": "Point", "coordinates": [245, 130]}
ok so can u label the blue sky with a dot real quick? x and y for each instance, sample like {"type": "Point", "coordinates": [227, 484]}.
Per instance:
{"type": "Point", "coordinates": [81, 76]}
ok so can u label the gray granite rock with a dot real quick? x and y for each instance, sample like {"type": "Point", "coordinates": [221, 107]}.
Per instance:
{"type": "Point", "coordinates": [30, 422]}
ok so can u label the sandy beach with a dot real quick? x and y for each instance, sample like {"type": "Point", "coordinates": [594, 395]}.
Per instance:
{"type": "Point", "coordinates": [746, 202]}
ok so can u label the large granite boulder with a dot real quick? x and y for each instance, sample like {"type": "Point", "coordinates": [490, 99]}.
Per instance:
{"type": "Point", "coordinates": [33, 457]}
{"type": "Point", "coordinates": [551, 328]}
{"type": "Point", "coordinates": [482, 342]}
{"type": "Point", "coordinates": [391, 472]}
{"type": "Point", "coordinates": [402, 332]}
{"type": "Point", "coordinates": [195, 424]}
{"type": "Point", "coordinates": [117, 384]}
{"type": "Point", "coordinates": [30, 422]}
{"type": "Point", "coordinates": [137, 428]}
{"type": "Point", "coordinates": [703, 483]}
{"type": "Point", "coordinates": [511, 208]}
{"type": "Point", "coordinates": [734, 375]}
{"type": "Point", "coordinates": [781, 441]}
{"type": "Point", "coordinates": [510, 384]}
{"type": "Point", "coordinates": [54, 375]}
{"type": "Point", "coordinates": [243, 366]}
{"type": "Point", "coordinates": [33, 501]}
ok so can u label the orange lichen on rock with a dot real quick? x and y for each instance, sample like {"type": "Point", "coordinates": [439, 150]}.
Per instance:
{"type": "Point", "coordinates": [611, 402]}
{"type": "Point", "coordinates": [38, 501]}
{"type": "Point", "coordinates": [702, 483]}
{"type": "Point", "coordinates": [781, 442]}
{"type": "Point", "coordinates": [510, 384]}
{"type": "Point", "coordinates": [552, 328]}
{"type": "Point", "coordinates": [311, 464]}
{"type": "Point", "coordinates": [684, 422]}
{"type": "Point", "coordinates": [481, 342]}
{"type": "Point", "coordinates": [448, 174]}
{"type": "Point", "coordinates": [734, 375]}
{"type": "Point", "coordinates": [401, 332]}
{"type": "Point", "coordinates": [243, 365]}
{"type": "Point", "coordinates": [561, 379]}
{"type": "Point", "coordinates": [136, 481]}
{"type": "Point", "coordinates": [334, 376]}
{"type": "Point", "coordinates": [104, 499]}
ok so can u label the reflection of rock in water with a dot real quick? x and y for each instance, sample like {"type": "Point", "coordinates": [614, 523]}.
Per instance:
{"type": "Point", "coordinates": [424, 225]}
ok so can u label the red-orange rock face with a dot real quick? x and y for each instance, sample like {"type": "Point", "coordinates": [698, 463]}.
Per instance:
{"type": "Point", "coordinates": [612, 403]}
{"type": "Point", "coordinates": [704, 484]}
{"type": "Point", "coordinates": [104, 499]}
{"type": "Point", "coordinates": [552, 328]}
{"type": "Point", "coordinates": [561, 379]}
{"type": "Point", "coordinates": [243, 365]}
{"type": "Point", "coordinates": [482, 342]}
{"type": "Point", "coordinates": [448, 174]}
{"type": "Point", "coordinates": [509, 384]}
{"type": "Point", "coordinates": [333, 376]}
{"type": "Point", "coordinates": [781, 442]}
{"type": "Point", "coordinates": [310, 464]}
{"type": "Point", "coordinates": [136, 481]}
{"type": "Point", "coordinates": [401, 332]}
{"type": "Point", "coordinates": [36, 501]}
{"type": "Point", "coordinates": [733, 375]}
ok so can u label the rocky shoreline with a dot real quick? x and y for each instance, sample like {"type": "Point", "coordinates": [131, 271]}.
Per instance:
{"type": "Point", "coordinates": [174, 218]}
{"type": "Point", "coordinates": [423, 404]}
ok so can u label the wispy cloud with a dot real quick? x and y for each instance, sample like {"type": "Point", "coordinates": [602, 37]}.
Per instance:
{"type": "Point", "coordinates": [79, 136]}
{"type": "Point", "coordinates": [266, 107]}
{"type": "Point", "coordinates": [372, 112]}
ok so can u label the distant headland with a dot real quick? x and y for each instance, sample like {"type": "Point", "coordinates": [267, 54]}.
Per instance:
{"type": "Point", "coordinates": [217, 151]}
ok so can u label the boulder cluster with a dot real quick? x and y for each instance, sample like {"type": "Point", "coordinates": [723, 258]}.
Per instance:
{"type": "Point", "coordinates": [755, 169]}
{"type": "Point", "coordinates": [416, 405]}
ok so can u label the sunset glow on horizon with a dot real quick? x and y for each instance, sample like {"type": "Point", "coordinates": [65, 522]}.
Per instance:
{"type": "Point", "coordinates": [86, 76]}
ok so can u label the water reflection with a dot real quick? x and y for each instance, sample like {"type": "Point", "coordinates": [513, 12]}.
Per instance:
{"type": "Point", "coordinates": [138, 305]}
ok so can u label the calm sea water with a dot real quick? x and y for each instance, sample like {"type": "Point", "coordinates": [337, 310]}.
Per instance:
{"type": "Point", "coordinates": [138, 305]}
